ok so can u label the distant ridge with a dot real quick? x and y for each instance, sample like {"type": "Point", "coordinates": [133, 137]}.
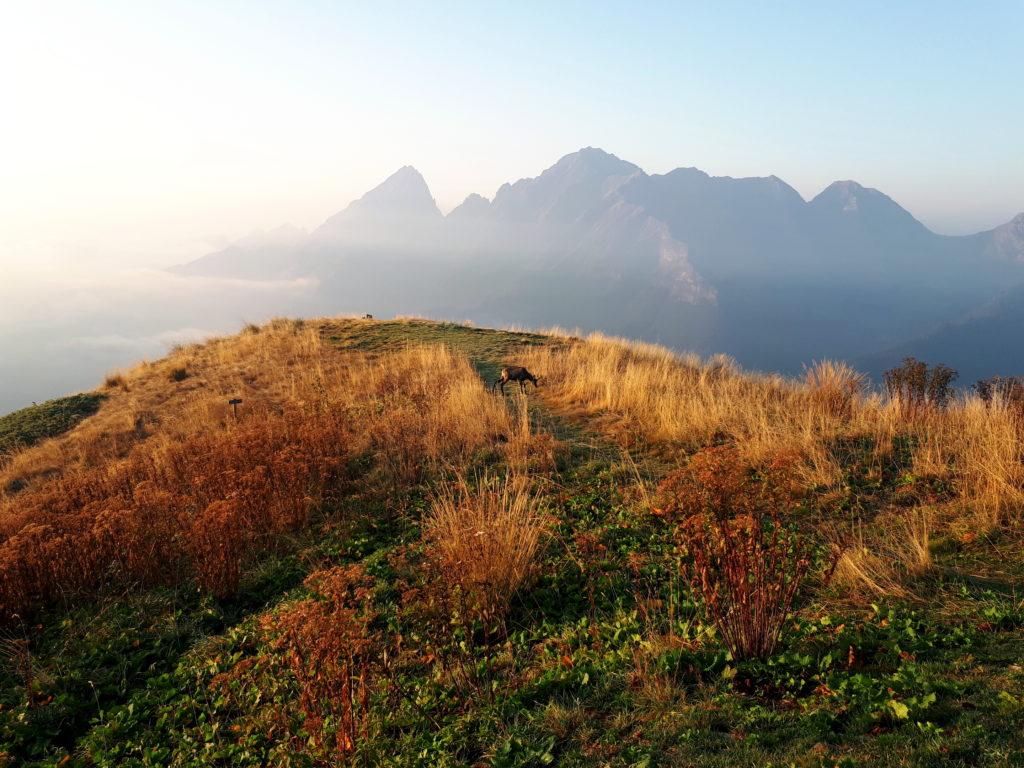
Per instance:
{"type": "Point", "coordinates": [711, 263]}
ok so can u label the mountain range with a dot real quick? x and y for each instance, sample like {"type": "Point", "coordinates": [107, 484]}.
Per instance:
{"type": "Point", "coordinates": [743, 266]}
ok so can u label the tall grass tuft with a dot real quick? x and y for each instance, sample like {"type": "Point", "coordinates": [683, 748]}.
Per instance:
{"type": "Point", "coordinates": [883, 560]}
{"type": "Point", "coordinates": [834, 387]}
{"type": "Point", "coordinates": [977, 445]}
{"type": "Point", "coordinates": [486, 542]}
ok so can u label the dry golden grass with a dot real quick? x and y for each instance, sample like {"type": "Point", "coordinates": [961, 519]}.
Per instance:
{"type": "Point", "coordinates": [431, 409]}
{"type": "Point", "coordinates": [164, 480]}
{"type": "Point", "coordinates": [642, 392]}
{"type": "Point", "coordinates": [649, 393]}
{"type": "Point", "coordinates": [279, 365]}
{"type": "Point", "coordinates": [149, 476]}
{"type": "Point", "coordinates": [485, 543]}
{"type": "Point", "coordinates": [881, 561]}
{"type": "Point", "coordinates": [976, 445]}
{"type": "Point", "coordinates": [834, 387]}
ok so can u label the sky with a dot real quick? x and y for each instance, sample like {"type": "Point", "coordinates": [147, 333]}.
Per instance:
{"type": "Point", "coordinates": [143, 134]}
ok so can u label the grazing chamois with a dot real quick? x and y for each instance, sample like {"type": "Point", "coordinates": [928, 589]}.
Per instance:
{"type": "Point", "coordinates": [514, 373]}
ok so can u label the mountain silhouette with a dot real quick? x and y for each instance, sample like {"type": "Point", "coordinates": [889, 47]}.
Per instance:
{"type": "Point", "coordinates": [744, 266]}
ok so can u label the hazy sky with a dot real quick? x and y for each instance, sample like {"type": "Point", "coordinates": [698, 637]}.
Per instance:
{"type": "Point", "coordinates": [145, 133]}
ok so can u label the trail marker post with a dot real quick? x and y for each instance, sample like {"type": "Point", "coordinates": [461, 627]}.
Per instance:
{"type": "Point", "coordinates": [234, 403]}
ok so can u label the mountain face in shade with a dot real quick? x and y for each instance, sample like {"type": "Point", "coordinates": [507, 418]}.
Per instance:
{"type": "Point", "coordinates": [1006, 242]}
{"type": "Point", "coordinates": [715, 264]}
{"type": "Point", "coordinates": [985, 342]}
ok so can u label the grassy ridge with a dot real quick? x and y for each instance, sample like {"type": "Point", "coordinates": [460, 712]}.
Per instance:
{"type": "Point", "coordinates": [602, 656]}
{"type": "Point", "coordinates": [27, 426]}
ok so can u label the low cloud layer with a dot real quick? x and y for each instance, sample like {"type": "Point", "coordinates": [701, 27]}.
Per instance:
{"type": "Point", "coordinates": [61, 333]}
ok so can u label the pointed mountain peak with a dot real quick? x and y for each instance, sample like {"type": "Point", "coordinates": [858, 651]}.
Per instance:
{"type": "Point", "coordinates": [404, 185]}
{"type": "Point", "coordinates": [868, 208]}
{"type": "Point", "coordinates": [845, 194]}
{"type": "Point", "coordinates": [1007, 240]}
{"type": "Point", "coordinates": [1014, 225]}
{"type": "Point", "coordinates": [403, 194]}
{"type": "Point", "coordinates": [689, 172]}
{"type": "Point", "coordinates": [407, 174]}
{"type": "Point", "coordinates": [847, 185]}
{"type": "Point", "coordinates": [402, 197]}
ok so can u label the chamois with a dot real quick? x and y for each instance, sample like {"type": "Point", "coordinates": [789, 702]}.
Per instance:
{"type": "Point", "coordinates": [514, 373]}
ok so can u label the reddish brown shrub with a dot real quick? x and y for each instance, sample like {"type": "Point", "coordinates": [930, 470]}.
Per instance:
{"type": "Point", "coordinates": [192, 491]}
{"type": "Point", "coordinates": [744, 561]}
{"type": "Point", "coordinates": [139, 534]}
{"type": "Point", "coordinates": [216, 543]}
{"type": "Point", "coordinates": [206, 503]}
{"type": "Point", "coordinates": [329, 647]}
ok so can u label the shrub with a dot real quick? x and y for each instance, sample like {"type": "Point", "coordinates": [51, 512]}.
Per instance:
{"type": "Point", "coordinates": [206, 502]}
{"type": "Point", "coordinates": [486, 543]}
{"type": "Point", "coordinates": [744, 562]}
{"type": "Point", "coordinates": [216, 541]}
{"type": "Point", "coordinates": [140, 534]}
{"type": "Point", "coordinates": [116, 380]}
{"type": "Point", "coordinates": [1009, 389]}
{"type": "Point", "coordinates": [917, 386]}
{"type": "Point", "coordinates": [178, 373]}
{"type": "Point", "coordinates": [329, 647]}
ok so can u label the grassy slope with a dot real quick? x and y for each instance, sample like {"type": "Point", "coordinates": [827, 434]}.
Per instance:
{"type": "Point", "coordinates": [37, 422]}
{"type": "Point", "coordinates": [594, 675]}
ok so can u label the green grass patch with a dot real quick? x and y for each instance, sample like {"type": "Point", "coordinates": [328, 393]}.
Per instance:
{"type": "Point", "coordinates": [37, 422]}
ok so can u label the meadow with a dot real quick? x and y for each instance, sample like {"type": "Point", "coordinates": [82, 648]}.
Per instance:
{"type": "Point", "coordinates": [373, 559]}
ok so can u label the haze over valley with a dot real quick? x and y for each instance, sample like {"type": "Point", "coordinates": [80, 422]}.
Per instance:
{"type": "Point", "coordinates": [740, 266]}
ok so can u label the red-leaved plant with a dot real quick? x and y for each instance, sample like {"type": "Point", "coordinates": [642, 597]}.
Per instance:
{"type": "Point", "coordinates": [744, 560]}
{"type": "Point", "coordinates": [328, 645]}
